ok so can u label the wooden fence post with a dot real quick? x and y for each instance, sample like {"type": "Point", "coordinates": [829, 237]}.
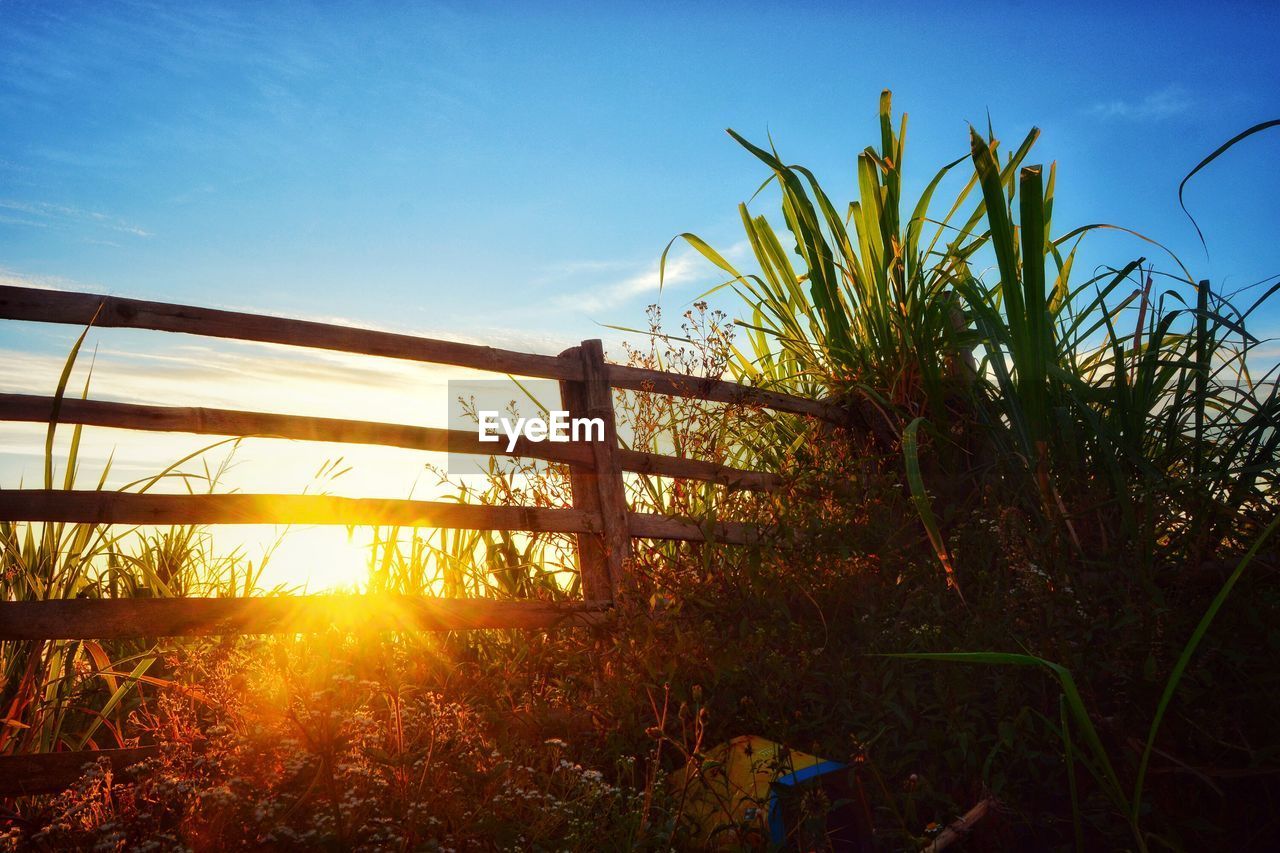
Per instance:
{"type": "Point", "coordinates": [598, 490]}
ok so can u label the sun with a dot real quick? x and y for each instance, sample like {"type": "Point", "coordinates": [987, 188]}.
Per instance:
{"type": "Point", "coordinates": [319, 559]}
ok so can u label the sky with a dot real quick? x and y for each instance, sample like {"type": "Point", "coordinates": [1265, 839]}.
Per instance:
{"type": "Point", "coordinates": [510, 173]}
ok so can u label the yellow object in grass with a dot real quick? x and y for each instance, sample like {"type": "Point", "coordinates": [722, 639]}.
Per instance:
{"type": "Point", "coordinates": [752, 790]}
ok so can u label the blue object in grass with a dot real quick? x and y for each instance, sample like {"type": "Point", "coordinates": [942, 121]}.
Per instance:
{"type": "Point", "coordinates": [777, 826]}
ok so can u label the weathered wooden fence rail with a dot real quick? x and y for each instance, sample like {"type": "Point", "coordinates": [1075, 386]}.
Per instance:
{"type": "Point", "coordinates": [83, 309]}
{"type": "Point", "coordinates": [203, 421]}
{"type": "Point", "coordinates": [21, 775]}
{"type": "Point", "coordinates": [600, 517]}
{"type": "Point", "coordinates": [122, 618]}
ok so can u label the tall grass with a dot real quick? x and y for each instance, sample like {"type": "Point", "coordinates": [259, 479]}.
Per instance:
{"type": "Point", "coordinates": [74, 694]}
{"type": "Point", "coordinates": [1159, 429]}
{"type": "Point", "coordinates": [1131, 415]}
{"type": "Point", "coordinates": [1128, 422]}
{"type": "Point", "coordinates": [860, 303]}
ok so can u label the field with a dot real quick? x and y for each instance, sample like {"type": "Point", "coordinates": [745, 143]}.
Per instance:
{"type": "Point", "coordinates": [1031, 563]}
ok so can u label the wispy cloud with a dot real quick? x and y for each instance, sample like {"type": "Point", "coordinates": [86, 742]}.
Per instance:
{"type": "Point", "coordinates": [43, 214]}
{"type": "Point", "coordinates": [568, 269]}
{"type": "Point", "coordinates": [682, 269]}
{"type": "Point", "coordinates": [13, 278]}
{"type": "Point", "coordinates": [1166, 103]}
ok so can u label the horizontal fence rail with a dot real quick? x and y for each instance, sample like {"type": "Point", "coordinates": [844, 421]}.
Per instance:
{"type": "Point", "coordinates": [131, 508]}
{"type": "Point", "coordinates": [83, 309]}
{"type": "Point", "coordinates": [205, 421]}
{"type": "Point", "coordinates": [648, 526]}
{"type": "Point", "coordinates": [92, 507]}
{"type": "Point", "coordinates": [48, 772]}
{"type": "Point", "coordinates": [697, 469]}
{"type": "Point", "coordinates": [124, 618]}
{"type": "Point", "coordinates": [718, 391]}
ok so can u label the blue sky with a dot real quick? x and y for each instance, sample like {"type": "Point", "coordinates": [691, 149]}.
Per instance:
{"type": "Point", "coordinates": [509, 173]}
{"type": "Point", "coordinates": [518, 168]}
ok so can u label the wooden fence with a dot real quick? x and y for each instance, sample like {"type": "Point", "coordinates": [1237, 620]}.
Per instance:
{"type": "Point", "coordinates": [600, 518]}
